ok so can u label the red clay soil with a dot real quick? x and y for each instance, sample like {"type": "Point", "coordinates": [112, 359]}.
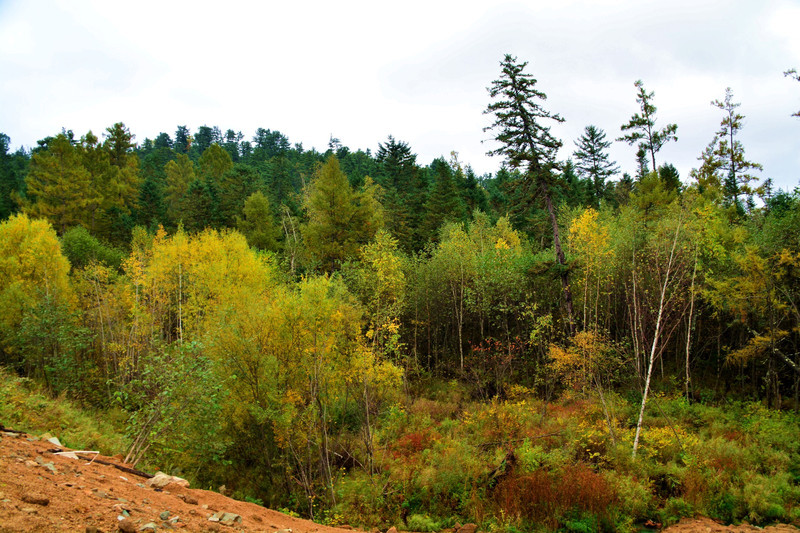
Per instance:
{"type": "Point", "coordinates": [706, 525]}
{"type": "Point", "coordinates": [72, 495]}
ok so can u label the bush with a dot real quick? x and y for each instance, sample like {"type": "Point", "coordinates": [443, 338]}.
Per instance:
{"type": "Point", "coordinates": [550, 498]}
{"type": "Point", "coordinates": [422, 523]}
{"type": "Point", "coordinates": [81, 248]}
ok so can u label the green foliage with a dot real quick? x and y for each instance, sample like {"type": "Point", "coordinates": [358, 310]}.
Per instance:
{"type": "Point", "coordinates": [258, 224]}
{"type": "Point", "coordinates": [81, 248]}
{"type": "Point", "coordinates": [339, 219]}
{"type": "Point", "coordinates": [25, 406]}
{"type": "Point", "coordinates": [642, 126]}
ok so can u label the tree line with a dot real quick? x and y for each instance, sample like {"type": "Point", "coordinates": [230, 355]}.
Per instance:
{"type": "Point", "coordinates": [286, 297]}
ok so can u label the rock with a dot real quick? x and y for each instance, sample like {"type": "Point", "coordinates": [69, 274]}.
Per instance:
{"type": "Point", "coordinates": [127, 526]}
{"type": "Point", "coordinates": [29, 510]}
{"type": "Point", "coordinates": [392, 530]}
{"type": "Point", "coordinates": [54, 440]}
{"type": "Point", "coordinates": [161, 480]}
{"type": "Point", "coordinates": [150, 526]}
{"type": "Point", "coordinates": [92, 529]}
{"type": "Point", "coordinates": [229, 519]}
{"type": "Point", "coordinates": [36, 499]}
{"type": "Point", "coordinates": [164, 515]}
{"type": "Point", "coordinates": [467, 528]}
{"type": "Point", "coordinates": [191, 500]}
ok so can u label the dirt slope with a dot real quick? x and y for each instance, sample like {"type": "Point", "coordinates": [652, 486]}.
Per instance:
{"type": "Point", "coordinates": [706, 525]}
{"type": "Point", "coordinates": [42, 491]}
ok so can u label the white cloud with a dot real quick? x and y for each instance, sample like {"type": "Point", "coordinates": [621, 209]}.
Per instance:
{"type": "Point", "coordinates": [417, 70]}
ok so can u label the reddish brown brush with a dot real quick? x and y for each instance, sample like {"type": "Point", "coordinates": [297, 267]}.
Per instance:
{"type": "Point", "coordinates": [542, 496]}
{"type": "Point", "coordinates": [413, 443]}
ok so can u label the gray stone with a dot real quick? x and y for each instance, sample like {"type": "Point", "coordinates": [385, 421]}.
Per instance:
{"type": "Point", "coordinates": [150, 526]}
{"type": "Point", "coordinates": [230, 519]}
{"type": "Point", "coordinates": [161, 480]}
{"type": "Point", "coordinates": [164, 515]}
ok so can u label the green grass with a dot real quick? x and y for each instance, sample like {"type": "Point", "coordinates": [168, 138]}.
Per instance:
{"type": "Point", "coordinates": [24, 406]}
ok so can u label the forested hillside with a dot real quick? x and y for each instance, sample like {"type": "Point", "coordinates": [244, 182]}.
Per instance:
{"type": "Point", "coordinates": [367, 338]}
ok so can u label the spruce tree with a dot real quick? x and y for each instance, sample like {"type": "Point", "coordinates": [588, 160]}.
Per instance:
{"type": "Point", "coordinates": [729, 152]}
{"type": "Point", "coordinates": [592, 162]}
{"type": "Point", "coordinates": [526, 142]}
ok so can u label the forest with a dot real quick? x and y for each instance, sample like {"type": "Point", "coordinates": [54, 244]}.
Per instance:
{"type": "Point", "coordinates": [363, 338]}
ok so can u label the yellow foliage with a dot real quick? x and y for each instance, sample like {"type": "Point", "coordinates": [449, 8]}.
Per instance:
{"type": "Point", "coordinates": [580, 362]}
{"type": "Point", "coordinates": [32, 267]}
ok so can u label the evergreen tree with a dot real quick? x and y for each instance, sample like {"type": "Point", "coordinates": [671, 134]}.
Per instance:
{"type": "Point", "coordinates": [473, 193]}
{"type": "Point", "coordinates": [642, 126]}
{"type": "Point", "coordinates": [121, 185]}
{"type": "Point", "coordinates": [213, 165]}
{"type": "Point", "coordinates": [180, 176]}
{"type": "Point", "coordinates": [58, 185]}
{"type": "Point", "coordinates": [258, 224]}
{"type": "Point", "coordinates": [183, 140]}
{"type": "Point", "coordinates": [268, 144]}
{"type": "Point", "coordinates": [729, 154]}
{"type": "Point", "coordinates": [592, 161]}
{"type": "Point", "coordinates": [443, 204]}
{"type": "Point", "coordinates": [339, 220]}
{"type": "Point", "coordinates": [204, 138]}
{"type": "Point", "coordinates": [397, 165]}
{"type": "Point", "coordinates": [12, 177]}
{"type": "Point", "coordinates": [236, 186]}
{"type": "Point", "coordinates": [670, 177]}
{"type": "Point", "coordinates": [231, 144]}
{"type": "Point", "coordinates": [198, 211]}
{"type": "Point", "coordinates": [519, 126]}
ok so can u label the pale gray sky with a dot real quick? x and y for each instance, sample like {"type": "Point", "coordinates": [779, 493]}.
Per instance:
{"type": "Point", "coordinates": [417, 70]}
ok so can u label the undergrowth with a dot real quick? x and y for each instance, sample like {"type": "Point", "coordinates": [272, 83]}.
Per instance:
{"type": "Point", "coordinates": [528, 465]}
{"type": "Point", "coordinates": [25, 406]}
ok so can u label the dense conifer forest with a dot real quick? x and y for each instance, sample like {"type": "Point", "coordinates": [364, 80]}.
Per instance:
{"type": "Point", "coordinates": [362, 337]}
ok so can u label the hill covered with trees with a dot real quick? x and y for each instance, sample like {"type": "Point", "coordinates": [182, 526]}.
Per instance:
{"type": "Point", "coordinates": [362, 337]}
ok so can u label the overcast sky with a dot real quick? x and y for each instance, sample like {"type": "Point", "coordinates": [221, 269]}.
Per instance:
{"type": "Point", "coordinates": [417, 70]}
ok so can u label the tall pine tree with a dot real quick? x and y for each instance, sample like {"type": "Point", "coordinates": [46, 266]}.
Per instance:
{"type": "Point", "coordinates": [525, 141]}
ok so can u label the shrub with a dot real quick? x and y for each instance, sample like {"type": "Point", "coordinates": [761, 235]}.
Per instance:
{"type": "Point", "coordinates": [548, 498]}
{"type": "Point", "coordinates": [422, 523]}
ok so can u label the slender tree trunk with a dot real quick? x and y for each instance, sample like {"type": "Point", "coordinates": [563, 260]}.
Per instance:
{"type": "Point", "coordinates": [689, 329]}
{"type": "Point", "coordinates": [560, 259]}
{"type": "Point", "coordinates": [654, 345]}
